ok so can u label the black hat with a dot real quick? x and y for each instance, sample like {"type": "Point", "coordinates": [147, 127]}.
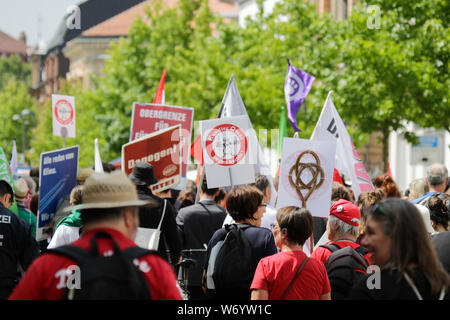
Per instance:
{"type": "Point", "coordinates": [142, 174]}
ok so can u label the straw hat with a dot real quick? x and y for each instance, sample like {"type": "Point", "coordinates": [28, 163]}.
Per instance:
{"type": "Point", "coordinates": [109, 190]}
{"type": "Point", "coordinates": [21, 187]}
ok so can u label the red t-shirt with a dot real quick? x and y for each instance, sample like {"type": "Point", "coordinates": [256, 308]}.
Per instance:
{"type": "Point", "coordinates": [322, 254]}
{"type": "Point", "coordinates": [274, 274]}
{"type": "Point", "coordinates": [46, 278]}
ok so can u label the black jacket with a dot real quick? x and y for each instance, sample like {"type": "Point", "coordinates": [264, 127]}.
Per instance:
{"type": "Point", "coordinates": [17, 246]}
{"type": "Point", "coordinates": [149, 217]}
{"type": "Point", "coordinates": [197, 225]}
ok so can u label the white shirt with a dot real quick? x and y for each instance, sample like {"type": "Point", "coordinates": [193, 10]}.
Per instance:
{"type": "Point", "coordinates": [64, 235]}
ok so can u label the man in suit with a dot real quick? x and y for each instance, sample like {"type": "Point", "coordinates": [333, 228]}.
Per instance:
{"type": "Point", "coordinates": [197, 223]}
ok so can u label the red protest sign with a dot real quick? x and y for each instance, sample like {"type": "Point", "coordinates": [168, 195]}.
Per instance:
{"type": "Point", "coordinates": [148, 118]}
{"type": "Point", "coordinates": [162, 149]}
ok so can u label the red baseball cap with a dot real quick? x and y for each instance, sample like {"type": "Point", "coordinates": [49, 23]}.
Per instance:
{"type": "Point", "coordinates": [346, 211]}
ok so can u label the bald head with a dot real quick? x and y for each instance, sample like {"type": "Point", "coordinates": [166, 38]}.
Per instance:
{"type": "Point", "coordinates": [437, 177]}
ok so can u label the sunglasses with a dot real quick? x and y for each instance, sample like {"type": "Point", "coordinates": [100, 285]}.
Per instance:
{"type": "Point", "coordinates": [377, 208]}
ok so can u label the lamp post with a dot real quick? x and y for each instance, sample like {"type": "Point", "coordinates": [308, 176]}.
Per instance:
{"type": "Point", "coordinates": [23, 116]}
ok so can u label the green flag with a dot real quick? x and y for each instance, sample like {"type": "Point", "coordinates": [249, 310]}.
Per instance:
{"type": "Point", "coordinates": [283, 130]}
{"type": "Point", "coordinates": [5, 174]}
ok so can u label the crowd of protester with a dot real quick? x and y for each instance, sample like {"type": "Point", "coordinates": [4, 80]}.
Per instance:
{"type": "Point", "coordinates": [221, 243]}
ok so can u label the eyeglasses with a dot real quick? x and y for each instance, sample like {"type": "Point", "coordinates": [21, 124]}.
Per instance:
{"type": "Point", "coordinates": [263, 205]}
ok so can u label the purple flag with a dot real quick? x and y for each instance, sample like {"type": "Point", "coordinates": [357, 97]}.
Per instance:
{"type": "Point", "coordinates": [296, 88]}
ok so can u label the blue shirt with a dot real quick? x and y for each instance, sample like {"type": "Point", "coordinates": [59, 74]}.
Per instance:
{"type": "Point", "coordinates": [426, 195]}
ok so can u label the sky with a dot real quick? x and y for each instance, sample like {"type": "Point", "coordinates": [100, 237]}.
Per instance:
{"type": "Point", "coordinates": [23, 15]}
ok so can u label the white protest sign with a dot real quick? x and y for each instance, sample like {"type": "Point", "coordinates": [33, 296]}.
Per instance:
{"type": "Point", "coordinates": [306, 175]}
{"type": "Point", "coordinates": [63, 111]}
{"type": "Point", "coordinates": [227, 153]}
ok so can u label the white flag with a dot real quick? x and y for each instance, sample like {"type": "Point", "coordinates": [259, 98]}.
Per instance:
{"type": "Point", "coordinates": [330, 126]}
{"type": "Point", "coordinates": [14, 163]}
{"type": "Point", "coordinates": [98, 160]}
{"type": "Point", "coordinates": [232, 105]}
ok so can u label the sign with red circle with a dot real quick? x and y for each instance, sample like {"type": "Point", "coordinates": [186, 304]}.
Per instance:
{"type": "Point", "coordinates": [64, 112]}
{"type": "Point", "coordinates": [226, 144]}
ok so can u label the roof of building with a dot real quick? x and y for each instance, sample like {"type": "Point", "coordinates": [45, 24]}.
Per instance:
{"type": "Point", "coordinates": [120, 24]}
{"type": "Point", "coordinates": [10, 45]}
{"type": "Point", "coordinates": [93, 12]}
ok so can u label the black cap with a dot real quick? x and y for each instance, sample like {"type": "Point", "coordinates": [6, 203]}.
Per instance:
{"type": "Point", "coordinates": [142, 174]}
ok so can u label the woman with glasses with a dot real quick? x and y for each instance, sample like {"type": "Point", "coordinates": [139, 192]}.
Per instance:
{"type": "Point", "coordinates": [290, 274]}
{"type": "Point", "coordinates": [408, 267]}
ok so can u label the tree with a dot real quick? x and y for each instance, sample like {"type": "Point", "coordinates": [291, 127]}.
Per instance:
{"type": "Point", "coordinates": [394, 73]}
{"type": "Point", "coordinates": [14, 99]}
{"type": "Point", "coordinates": [14, 67]}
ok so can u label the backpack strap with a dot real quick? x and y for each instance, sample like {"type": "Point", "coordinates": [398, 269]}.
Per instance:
{"type": "Point", "coordinates": [164, 212]}
{"type": "Point", "coordinates": [72, 252]}
{"type": "Point", "coordinates": [80, 255]}
{"type": "Point", "coordinates": [295, 277]}
{"type": "Point", "coordinates": [137, 252]}
{"type": "Point", "coordinates": [362, 250]}
{"type": "Point", "coordinates": [332, 247]}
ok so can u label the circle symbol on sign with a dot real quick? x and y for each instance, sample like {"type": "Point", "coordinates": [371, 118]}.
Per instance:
{"type": "Point", "coordinates": [226, 145]}
{"type": "Point", "coordinates": [294, 87]}
{"type": "Point", "coordinates": [64, 112]}
{"type": "Point", "coordinates": [295, 176]}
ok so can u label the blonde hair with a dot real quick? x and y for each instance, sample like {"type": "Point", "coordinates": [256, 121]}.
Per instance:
{"type": "Point", "coordinates": [76, 195]}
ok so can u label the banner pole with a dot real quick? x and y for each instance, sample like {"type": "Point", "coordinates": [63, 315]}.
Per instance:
{"type": "Point", "coordinates": [231, 179]}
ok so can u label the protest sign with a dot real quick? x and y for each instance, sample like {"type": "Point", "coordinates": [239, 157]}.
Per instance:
{"type": "Point", "coordinates": [57, 178]}
{"type": "Point", "coordinates": [330, 127]}
{"type": "Point", "coordinates": [306, 175]}
{"type": "Point", "coordinates": [5, 174]}
{"type": "Point", "coordinates": [63, 111]}
{"type": "Point", "coordinates": [148, 118]}
{"type": "Point", "coordinates": [226, 147]}
{"type": "Point", "coordinates": [162, 149]}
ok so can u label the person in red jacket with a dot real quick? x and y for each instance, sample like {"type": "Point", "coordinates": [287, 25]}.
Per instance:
{"type": "Point", "coordinates": [110, 206]}
{"type": "Point", "coordinates": [342, 229]}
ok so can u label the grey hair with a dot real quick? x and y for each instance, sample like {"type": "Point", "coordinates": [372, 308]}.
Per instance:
{"type": "Point", "coordinates": [343, 228]}
{"type": "Point", "coordinates": [437, 173]}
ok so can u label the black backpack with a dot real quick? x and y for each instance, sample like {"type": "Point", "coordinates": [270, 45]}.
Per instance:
{"type": "Point", "coordinates": [345, 267]}
{"type": "Point", "coordinates": [232, 272]}
{"type": "Point", "coordinates": [113, 277]}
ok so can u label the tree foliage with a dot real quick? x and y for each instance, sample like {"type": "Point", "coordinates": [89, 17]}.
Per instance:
{"type": "Point", "coordinates": [396, 72]}
{"type": "Point", "coordinates": [14, 98]}
{"type": "Point", "coordinates": [380, 77]}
